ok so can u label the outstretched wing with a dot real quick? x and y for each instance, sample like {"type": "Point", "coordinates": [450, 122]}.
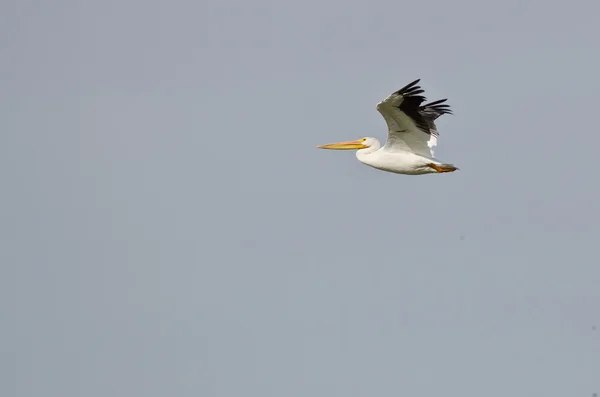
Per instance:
{"type": "Point", "coordinates": [411, 126]}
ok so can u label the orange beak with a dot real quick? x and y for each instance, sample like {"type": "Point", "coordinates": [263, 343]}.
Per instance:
{"type": "Point", "coordinates": [348, 145]}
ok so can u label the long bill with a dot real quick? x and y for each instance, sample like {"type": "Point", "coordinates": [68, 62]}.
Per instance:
{"type": "Point", "coordinates": [348, 145]}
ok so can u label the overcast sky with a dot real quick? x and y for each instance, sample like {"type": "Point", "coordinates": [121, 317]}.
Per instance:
{"type": "Point", "coordinates": [169, 228]}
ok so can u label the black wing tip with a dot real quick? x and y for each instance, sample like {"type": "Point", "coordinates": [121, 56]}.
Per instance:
{"type": "Point", "coordinates": [410, 84]}
{"type": "Point", "coordinates": [438, 106]}
{"type": "Point", "coordinates": [423, 115]}
{"type": "Point", "coordinates": [439, 101]}
{"type": "Point", "coordinates": [411, 89]}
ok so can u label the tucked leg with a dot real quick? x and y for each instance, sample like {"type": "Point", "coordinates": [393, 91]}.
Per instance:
{"type": "Point", "coordinates": [442, 168]}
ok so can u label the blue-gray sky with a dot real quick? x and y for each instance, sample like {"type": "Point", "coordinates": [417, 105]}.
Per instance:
{"type": "Point", "coordinates": [168, 227]}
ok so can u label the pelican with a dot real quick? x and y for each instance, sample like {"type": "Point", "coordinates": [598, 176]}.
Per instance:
{"type": "Point", "coordinates": [412, 134]}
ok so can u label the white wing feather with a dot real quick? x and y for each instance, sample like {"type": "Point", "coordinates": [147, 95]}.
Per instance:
{"type": "Point", "coordinates": [411, 126]}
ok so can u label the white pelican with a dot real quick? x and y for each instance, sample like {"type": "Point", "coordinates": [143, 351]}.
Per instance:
{"type": "Point", "coordinates": [411, 135]}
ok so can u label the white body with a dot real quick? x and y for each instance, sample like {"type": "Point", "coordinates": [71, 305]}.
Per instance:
{"type": "Point", "coordinates": [396, 161]}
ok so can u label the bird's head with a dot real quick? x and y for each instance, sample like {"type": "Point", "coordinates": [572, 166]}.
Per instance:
{"type": "Point", "coordinates": [362, 143]}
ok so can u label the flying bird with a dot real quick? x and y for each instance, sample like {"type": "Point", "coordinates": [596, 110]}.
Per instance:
{"type": "Point", "coordinates": [412, 134]}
